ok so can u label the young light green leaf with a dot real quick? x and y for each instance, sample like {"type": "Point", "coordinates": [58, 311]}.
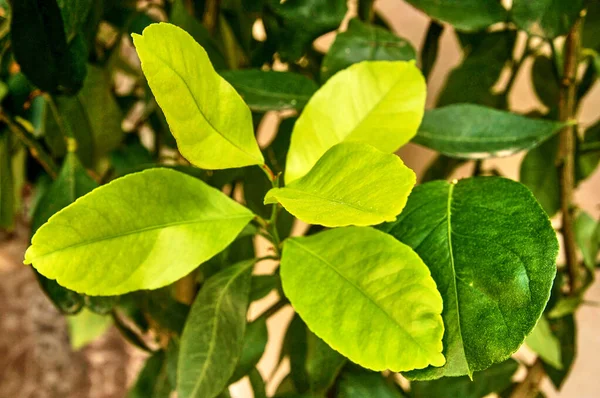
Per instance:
{"type": "Point", "coordinates": [271, 91]}
{"type": "Point", "coordinates": [380, 103]}
{"type": "Point", "coordinates": [152, 381]}
{"type": "Point", "coordinates": [546, 18]}
{"type": "Point", "coordinates": [495, 379]}
{"type": "Point", "coordinates": [380, 185]}
{"type": "Point", "coordinates": [376, 281]}
{"type": "Point", "coordinates": [213, 336]}
{"type": "Point", "coordinates": [492, 252]}
{"type": "Point", "coordinates": [210, 121]}
{"type": "Point", "coordinates": [545, 344]}
{"type": "Point", "coordinates": [363, 42]}
{"type": "Point", "coordinates": [141, 231]}
{"type": "Point", "coordinates": [471, 131]}
{"type": "Point", "coordinates": [86, 327]}
{"type": "Point", "coordinates": [7, 195]}
{"type": "Point", "coordinates": [468, 15]}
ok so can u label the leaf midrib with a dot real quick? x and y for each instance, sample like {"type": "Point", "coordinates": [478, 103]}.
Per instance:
{"type": "Point", "coordinates": [364, 294]}
{"type": "Point", "coordinates": [364, 210]}
{"type": "Point", "coordinates": [140, 231]}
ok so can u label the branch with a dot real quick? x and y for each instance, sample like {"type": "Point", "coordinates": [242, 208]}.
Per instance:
{"type": "Point", "coordinates": [528, 388]}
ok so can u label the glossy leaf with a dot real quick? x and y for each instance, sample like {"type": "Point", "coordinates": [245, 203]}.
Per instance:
{"type": "Point", "coordinates": [545, 344]}
{"type": "Point", "coordinates": [213, 337]}
{"type": "Point", "coordinates": [210, 121]}
{"type": "Point", "coordinates": [485, 56]}
{"type": "Point", "coordinates": [271, 91]}
{"type": "Point", "coordinates": [86, 327]}
{"type": "Point", "coordinates": [380, 103]}
{"type": "Point", "coordinates": [546, 18]}
{"type": "Point", "coordinates": [363, 42]}
{"type": "Point", "coordinates": [344, 294]}
{"type": "Point", "coordinates": [127, 231]}
{"type": "Point", "coordinates": [255, 342]}
{"type": "Point", "coordinates": [539, 173]}
{"type": "Point", "coordinates": [360, 383]}
{"type": "Point", "coordinates": [152, 381]}
{"type": "Point", "coordinates": [380, 185]}
{"type": "Point", "coordinates": [472, 131]}
{"type": "Point", "coordinates": [495, 379]}
{"type": "Point", "coordinates": [468, 15]}
{"type": "Point", "coordinates": [7, 194]}
{"type": "Point", "coordinates": [492, 252]}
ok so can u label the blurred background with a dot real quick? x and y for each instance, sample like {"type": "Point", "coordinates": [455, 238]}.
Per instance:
{"type": "Point", "coordinates": [37, 358]}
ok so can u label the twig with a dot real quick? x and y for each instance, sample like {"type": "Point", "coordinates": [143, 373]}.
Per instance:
{"type": "Point", "coordinates": [528, 388]}
{"type": "Point", "coordinates": [36, 150]}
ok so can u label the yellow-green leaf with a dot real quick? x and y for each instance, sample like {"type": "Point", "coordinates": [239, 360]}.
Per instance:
{"type": "Point", "coordinates": [208, 118]}
{"type": "Point", "coordinates": [352, 184]}
{"type": "Point", "coordinates": [141, 231]}
{"type": "Point", "coordinates": [380, 103]}
{"type": "Point", "coordinates": [367, 295]}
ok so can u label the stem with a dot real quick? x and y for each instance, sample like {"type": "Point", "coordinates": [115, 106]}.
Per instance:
{"type": "Point", "coordinates": [528, 388]}
{"type": "Point", "coordinates": [211, 13]}
{"type": "Point", "coordinates": [36, 150]}
{"type": "Point", "coordinates": [566, 152]}
{"type": "Point", "coordinates": [478, 168]}
{"type": "Point", "coordinates": [269, 312]}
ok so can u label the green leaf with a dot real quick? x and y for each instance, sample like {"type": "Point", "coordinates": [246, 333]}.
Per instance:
{"type": "Point", "coordinates": [380, 185]}
{"type": "Point", "coordinates": [152, 381]}
{"type": "Point", "coordinates": [300, 22]}
{"type": "Point", "coordinates": [545, 344]}
{"type": "Point", "coordinates": [545, 81]}
{"type": "Point", "coordinates": [126, 240]}
{"type": "Point", "coordinates": [492, 253]}
{"type": "Point", "coordinates": [429, 51]}
{"type": "Point", "coordinates": [255, 342]}
{"type": "Point", "coordinates": [166, 310]}
{"type": "Point", "coordinates": [546, 18]}
{"type": "Point", "coordinates": [210, 121]}
{"type": "Point", "coordinates": [182, 18]}
{"type": "Point", "coordinates": [363, 42]}
{"type": "Point", "coordinates": [468, 15]}
{"type": "Point", "coordinates": [86, 327]}
{"type": "Point", "coordinates": [539, 173]}
{"type": "Point", "coordinates": [74, 14]}
{"type": "Point", "coordinates": [38, 33]}
{"type": "Point", "coordinates": [360, 383]}
{"type": "Point", "coordinates": [380, 103]}
{"type": "Point", "coordinates": [262, 285]}
{"type": "Point", "coordinates": [271, 91]}
{"type": "Point", "coordinates": [587, 163]}
{"type": "Point", "coordinates": [472, 81]}
{"type": "Point", "coordinates": [7, 194]}
{"type": "Point", "coordinates": [71, 183]}
{"type": "Point", "coordinates": [587, 238]}
{"type": "Point", "coordinates": [295, 346]}
{"type": "Point", "coordinates": [472, 131]}
{"type": "Point", "coordinates": [92, 116]}
{"type": "Point", "coordinates": [590, 34]}
{"type": "Point", "coordinates": [258, 384]}
{"type": "Point", "coordinates": [101, 305]}
{"type": "Point", "coordinates": [213, 337]}
{"type": "Point", "coordinates": [323, 364]}
{"type": "Point", "coordinates": [495, 379]}
{"type": "Point", "coordinates": [371, 273]}
{"type": "Point", "coordinates": [565, 330]}
{"type": "Point", "coordinates": [131, 156]}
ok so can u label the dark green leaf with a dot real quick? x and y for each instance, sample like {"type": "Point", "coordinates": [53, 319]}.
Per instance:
{"type": "Point", "coordinates": [465, 15]}
{"type": "Point", "coordinates": [441, 168]}
{"type": "Point", "coordinates": [164, 309]}
{"type": "Point", "coordinates": [300, 22]}
{"type": "Point", "coordinates": [363, 42]}
{"type": "Point", "coordinates": [323, 364]}
{"type": "Point", "coordinates": [546, 18]}
{"type": "Point", "coordinates": [152, 382]}
{"type": "Point", "coordinates": [539, 173]}
{"type": "Point", "coordinates": [545, 81]}
{"type": "Point", "coordinates": [258, 384]}
{"type": "Point", "coordinates": [590, 35]}
{"type": "Point", "coordinates": [130, 157]}
{"type": "Point", "coordinates": [295, 346]}
{"type": "Point", "coordinates": [255, 341]}
{"type": "Point", "coordinates": [587, 162]}
{"type": "Point", "coordinates": [360, 383]}
{"type": "Point", "coordinates": [213, 336]}
{"type": "Point", "coordinates": [271, 91]}
{"type": "Point", "coordinates": [494, 379]}
{"type": "Point", "coordinates": [41, 49]}
{"type": "Point", "coordinates": [564, 329]}
{"type": "Point", "coordinates": [262, 285]}
{"type": "Point", "coordinates": [74, 14]}
{"type": "Point", "coordinates": [471, 131]}
{"type": "Point", "coordinates": [429, 51]}
{"type": "Point", "coordinates": [485, 57]}
{"type": "Point", "coordinates": [7, 194]}
{"type": "Point", "coordinates": [102, 305]}
{"type": "Point", "coordinates": [492, 252]}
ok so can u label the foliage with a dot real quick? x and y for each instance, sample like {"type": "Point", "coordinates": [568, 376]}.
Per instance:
{"type": "Point", "coordinates": [150, 188]}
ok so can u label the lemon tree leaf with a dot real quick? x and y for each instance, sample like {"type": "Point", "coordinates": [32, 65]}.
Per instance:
{"type": "Point", "coordinates": [545, 344]}
{"type": "Point", "coordinates": [141, 231]}
{"type": "Point", "coordinates": [546, 18]}
{"type": "Point", "coordinates": [468, 15]}
{"type": "Point", "coordinates": [384, 298]}
{"type": "Point", "coordinates": [208, 118]}
{"type": "Point", "coordinates": [492, 252]}
{"type": "Point", "coordinates": [380, 103]}
{"type": "Point", "coordinates": [213, 337]}
{"type": "Point", "coordinates": [352, 184]}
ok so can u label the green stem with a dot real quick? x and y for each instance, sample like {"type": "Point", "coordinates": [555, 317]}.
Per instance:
{"type": "Point", "coordinates": [366, 11]}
